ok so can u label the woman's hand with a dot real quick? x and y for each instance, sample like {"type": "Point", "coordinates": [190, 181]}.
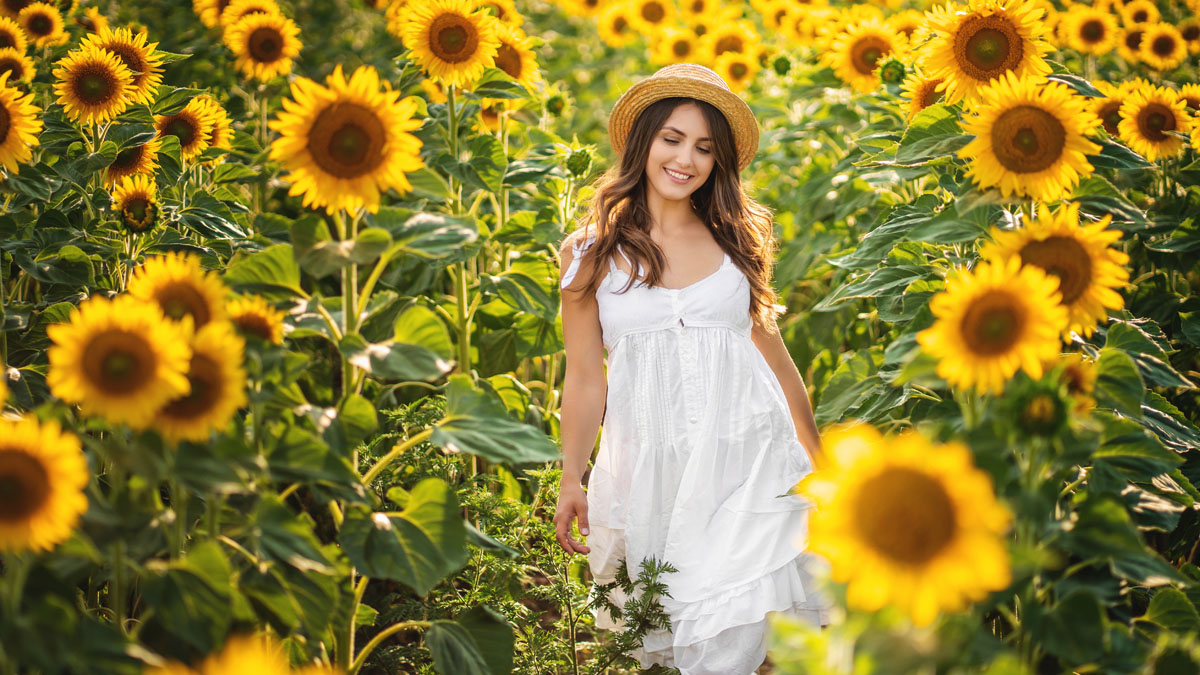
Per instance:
{"type": "Point", "coordinates": [572, 502]}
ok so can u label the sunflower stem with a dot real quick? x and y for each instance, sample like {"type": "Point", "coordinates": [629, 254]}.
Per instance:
{"type": "Point", "coordinates": [116, 588]}
{"type": "Point", "coordinates": [455, 187]}
{"type": "Point", "coordinates": [378, 639]}
{"type": "Point", "coordinates": [3, 333]}
{"type": "Point", "coordinates": [16, 570]}
{"type": "Point", "coordinates": [179, 506]}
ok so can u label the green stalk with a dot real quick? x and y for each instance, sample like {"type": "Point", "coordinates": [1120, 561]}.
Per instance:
{"type": "Point", "coordinates": [3, 334]}
{"type": "Point", "coordinates": [117, 588]}
{"type": "Point", "coordinates": [378, 639]}
{"type": "Point", "coordinates": [455, 187]}
{"type": "Point", "coordinates": [395, 452]}
{"type": "Point", "coordinates": [179, 505]}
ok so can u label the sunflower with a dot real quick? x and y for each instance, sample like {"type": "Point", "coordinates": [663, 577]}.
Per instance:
{"type": "Point", "coordinates": [1081, 374]}
{"type": "Point", "coordinates": [516, 58]}
{"type": "Point", "coordinates": [17, 65]}
{"type": "Point", "coordinates": [921, 92]}
{"type": "Point", "coordinates": [192, 125]}
{"type": "Point", "coordinates": [143, 61]}
{"type": "Point", "coordinates": [434, 91]}
{"type": "Point", "coordinates": [1163, 48]}
{"type": "Point", "coordinates": [253, 316]}
{"type": "Point", "coordinates": [778, 13]}
{"type": "Point", "coordinates": [1030, 138]}
{"type": "Point", "coordinates": [1108, 107]}
{"type": "Point", "coordinates": [239, 9]}
{"type": "Point", "coordinates": [907, 22]}
{"type": "Point", "coordinates": [1140, 11]}
{"type": "Point", "coordinates": [396, 17]}
{"type": "Point", "coordinates": [1190, 94]}
{"type": "Point", "coordinates": [134, 199]}
{"type": "Point", "coordinates": [91, 20]}
{"type": "Point", "coordinates": [1129, 46]}
{"type": "Point", "coordinates": [907, 522]}
{"type": "Point", "coordinates": [584, 8]}
{"type": "Point", "coordinates": [181, 287]}
{"type": "Point", "coordinates": [490, 111]}
{"type": "Point", "coordinates": [93, 85]}
{"type": "Point", "coordinates": [1189, 29]}
{"type": "Point", "coordinates": [20, 124]}
{"type": "Point", "coordinates": [699, 9]}
{"type": "Point", "coordinates": [218, 387]}
{"type": "Point", "coordinates": [66, 7]}
{"type": "Point", "coordinates": [209, 11]}
{"type": "Point", "coordinates": [11, 35]}
{"type": "Point", "coordinates": [504, 11]}
{"type": "Point", "coordinates": [612, 22]}
{"type": "Point", "coordinates": [649, 16]}
{"type": "Point", "coordinates": [347, 142]}
{"type": "Point", "coordinates": [11, 8]}
{"type": "Point", "coordinates": [992, 321]}
{"type": "Point", "coordinates": [43, 24]}
{"type": "Point", "coordinates": [806, 24]}
{"type": "Point", "coordinates": [674, 45]}
{"type": "Point", "coordinates": [857, 51]}
{"type": "Point", "coordinates": [1147, 114]}
{"type": "Point", "coordinates": [43, 472]}
{"type": "Point", "coordinates": [1090, 30]}
{"type": "Point", "coordinates": [139, 159]}
{"type": "Point", "coordinates": [737, 69]}
{"type": "Point", "coordinates": [730, 36]}
{"type": "Point", "coordinates": [1051, 17]}
{"type": "Point", "coordinates": [221, 132]}
{"type": "Point", "coordinates": [257, 654]}
{"type": "Point", "coordinates": [1089, 271]}
{"type": "Point", "coordinates": [990, 38]}
{"type": "Point", "coordinates": [264, 44]}
{"type": "Point", "coordinates": [119, 359]}
{"type": "Point", "coordinates": [453, 40]}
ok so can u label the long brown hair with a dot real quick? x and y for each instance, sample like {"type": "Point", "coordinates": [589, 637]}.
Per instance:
{"type": "Point", "coordinates": [741, 226]}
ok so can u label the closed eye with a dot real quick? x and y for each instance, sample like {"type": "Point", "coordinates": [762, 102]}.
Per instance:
{"type": "Point", "coordinates": [673, 141]}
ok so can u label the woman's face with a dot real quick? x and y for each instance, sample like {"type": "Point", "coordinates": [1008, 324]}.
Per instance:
{"type": "Point", "coordinates": [681, 155]}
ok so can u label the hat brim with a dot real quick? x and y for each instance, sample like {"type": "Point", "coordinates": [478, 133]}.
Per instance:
{"type": "Point", "coordinates": [639, 97]}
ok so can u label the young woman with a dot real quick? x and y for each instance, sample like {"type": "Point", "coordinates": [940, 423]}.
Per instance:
{"type": "Point", "coordinates": [707, 424]}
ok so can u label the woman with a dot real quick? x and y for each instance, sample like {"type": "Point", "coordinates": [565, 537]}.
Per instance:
{"type": "Point", "coordinates": [701, 406]}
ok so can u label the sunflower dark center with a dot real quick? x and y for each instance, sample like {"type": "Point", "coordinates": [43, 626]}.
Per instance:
{"type": "Point", "coordinates": [265, 45]}
{"type": "Point", "coordinates": [1133, 39]}
{"type": "Point", "coordinates": [987, 46]}
{"type": "Point", "coordinates": [653, 12]}
{"type": "Point", "coordinates": [205, 377]}
{"type": "Point", "coordinates": [24, 485]}
{"type": "Point", "coordinates": [1140, 16]}
{"type": "Point", "coordinates": [1028, 139]}
{"type": "Point", "coordinates": [1041, 409]}
{"type": "Point", "coordinates": [40, 25]}
{"type": "Point", "coordinates": [730, 43]}
{"type": "Point", "coordinates": [453, 38]}
{"type": "Point", "coordinates": [1191, 32]}
{"type": "Point", "coordinates": [698, 7]}
{"type": "Point", "coordinates": [184, 126]}
{"type": "Point", "coordinates": [866, 52]}
{"type": "Point", "coordinates": [15, 6]}
{"type": "Point", "coordinates": [1192, 102]}
{"type": "Point", "coordinates": [7, 39]}
{"type": "Point", "coordinates": [1163, 46]}
{"type": "Point", "coordinates": [1077, 382]}
{"type": "Point", "coordinates": [681, 48]}
{"type": "Point", "coordinates": [254, 324]}
{"type": "Point", "coordinates": [118, 362]}
{"type": "Point", "coordinates": [992, 324]}
{"type": "Point", "coordinates": [1155, 119]}
{"type": "Point", "coordinates": [620, 25]}
{"type": "Point", "coordinates": [128, 158]}
{"type": "Point", "coordinates": [94, 84]}
{"type": "Point", "coordinates": [179, 299]}
{"type": "Point", "coordinates": [1110, 116]}
{"type": "Point", "coordinates": [132, 59]}
{"type": "Point", "coordinates": [5, 123]}
{"type": "Point", "coordinates": [508, 60]}
{"type": "Point", "coordinates": [347, 140]}
{"type": "Point", "coordinates": [1092, 31]}
{"type": "Point", "coordinates": [738, 70]}
{"type": "Point", "coordinates": [905, 515]}
{"type": "Point", "coordinates": [14, 68]}
{"type": "Point", "coordinates": [138, 213]}
{"type": "Point", "coordinates": [930, 94]}
{"type": "Point", "coordinates": [1065, 258]}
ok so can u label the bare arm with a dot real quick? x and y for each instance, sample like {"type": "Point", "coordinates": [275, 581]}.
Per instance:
{"type": "Point", "coordinates": [776, 354]}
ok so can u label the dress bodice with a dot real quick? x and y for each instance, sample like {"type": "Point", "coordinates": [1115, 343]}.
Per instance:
{"type": "Point", "coordinates": [721, 299]}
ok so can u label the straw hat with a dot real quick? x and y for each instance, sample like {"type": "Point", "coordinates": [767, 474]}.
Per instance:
{"type": "Point", "coordinates": [693, 81]}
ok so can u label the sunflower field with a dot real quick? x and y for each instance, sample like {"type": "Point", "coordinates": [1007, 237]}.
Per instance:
{"type": "Point", "coordinates": [281, 356]}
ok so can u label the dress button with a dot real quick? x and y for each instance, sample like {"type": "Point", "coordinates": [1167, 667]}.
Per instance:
{"type": "Point", "coordinates": [692, 420]}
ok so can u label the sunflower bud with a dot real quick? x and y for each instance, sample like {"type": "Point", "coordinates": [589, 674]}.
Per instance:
{"type": "Point", "coordinates": [556, 104]}
{"type": "Point", "coordinates": [579, 163]}
{"type": "Point", "coordinates": [892, 71]}
{"type": "Point", "coordinates": [782, 65]}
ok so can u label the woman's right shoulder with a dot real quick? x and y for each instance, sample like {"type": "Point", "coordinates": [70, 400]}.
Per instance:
{"type": "Point", "coordinates": [573, 247]}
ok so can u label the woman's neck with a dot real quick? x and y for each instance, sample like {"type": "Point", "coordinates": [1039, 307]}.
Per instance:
{"type": "Point", "coordinates": [669, 215]}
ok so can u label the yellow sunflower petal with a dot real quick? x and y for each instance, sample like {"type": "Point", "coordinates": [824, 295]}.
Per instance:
{"type": "Point", "coordinates": [181, 287]}
{"type": "Point", "coordinates": [453, 40]}
{"type": "Point", "coordinates": [44, 472]}
{"type": "Point", "coordinates": [217, 382]}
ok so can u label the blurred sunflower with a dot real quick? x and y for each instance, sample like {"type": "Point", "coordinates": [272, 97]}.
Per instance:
{"type": "Point", "coordinates": [1090, 30]}
{"type": "Point", "coordinates": [992, 321]}
{"type": "Point", "coordinates": [11, 8]}
{"type": "Point", "coordinates": [1050, 17]}
{"type": "Point", "coordinates": [264, 44]}
{"type": "Point", "coordinates": [1189, 29]}
{"type": "Point", "coordinates": [66, 7]}
{"type": "Point", "coordinates": [906, 22]}
{"type": "Point", "coordinates": [181, 287]}
{"type": "Point", "coordinates": [777, 13]}
{"type": "Point", "coordinates": [139, 159]}
{"type": "Point", "coordinates": [218, 387]}
{"type": "Point", "coordinates": [1030, 138]}
{"type": "Point", "coordinates": [1129, 46]}
{"type": "Point", "coordinates": [19, 67]}
{"type": "Point", "coordinates": [906, 522]}
{"type": "Point", "coordinates": [806, 24]}
{"type": "Point", "coordinates": [44, 473]}
{"type": "Point", "coordinates": [221, 133]}
{"type": "Point", "coordinates": [674, 45]}
{"type": "Point", "coordinates": [490, 111]}
{"type": "Point", "coordinates": [584, 8]}
{"type": "Point", "coordinates": [650, 16]}
{"type": "Point", "coordinates": [1081, 374]}
{"type": "Point", "coordinates": [1190, 93]}
{"type": "Point", "coordinates": [844, 15]}
{"type": "Point", "coordinates": [737, 68]}
{"type": "Point", "coordinates": [91, 20]}
{"type": "Point", "coordinates": [252, 315]}
{"type": "Point", "coordinates": [134, 199]}
{"type": "Point", "coordinates": [43, 24]}
{"type": "Point", "coordinates": [1090, 272]}
{"type": "Point", "coordinates": [252, 654]}
{"type": "Point", "coordinates": [857, 51]}
{"type": "Point", "coordinates": [1163, 48]}
{"type": "Point", "coordinates": [516, 58]}
{"type": "Point", "coordinates": [504, 11]}
{"type": "Point", "coordinates": [209, 11]}
{"type": "Point", "coordinates": [192, 125]}
{"type": "Point", "coordinates": [697, 9]}
{"type": "Point", "coordinates": [612, 22]}
{"type": "Point", "coordinates": [20, 124]}
{"type": "Point", "coordinates": [11, 34]}
{"type": "Point", "coordinates": [118, 359]}
{"type": "Point", "coordinates": [453, 40]}
{"type": "Point", "coordinates": [347, 142]}
{"type": "Point", "coordinates": [396, 16]}
{"type": "Point", "coordinates": [142, 60]}
{"type": "Point", "coordinates": [1147, 114]}
{"type": "Point", "coordinates": [1108, 107]}
{"type": "Point", "coordinates": [93, 85]}
{"type": "Point", "coordinates": [240, 9]}
{"type": "Point", "coordinates": [1139, 11]}
{"type": "Point", "coordinates": [921, 92]}
{"type": "Point", "coordinates": [973, 46]}
{"type": "Point", "coordinates": [732, 36]}
{"type": "Point", "coordinates": [434, 91]}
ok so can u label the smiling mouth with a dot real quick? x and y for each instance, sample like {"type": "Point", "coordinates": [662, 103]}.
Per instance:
{"type": "Point", "coordinates": [678, 176]}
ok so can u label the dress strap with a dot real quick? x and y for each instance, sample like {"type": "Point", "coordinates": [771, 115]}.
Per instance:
{"type": "Point", "coordinates": [578, 247]}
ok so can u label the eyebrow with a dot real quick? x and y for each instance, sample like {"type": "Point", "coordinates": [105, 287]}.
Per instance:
{"type": "Point", "coordinates": [704, 138]}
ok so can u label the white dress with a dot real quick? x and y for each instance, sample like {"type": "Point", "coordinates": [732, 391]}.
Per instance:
{"type": "Point", "coordinates": [697, 452]}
